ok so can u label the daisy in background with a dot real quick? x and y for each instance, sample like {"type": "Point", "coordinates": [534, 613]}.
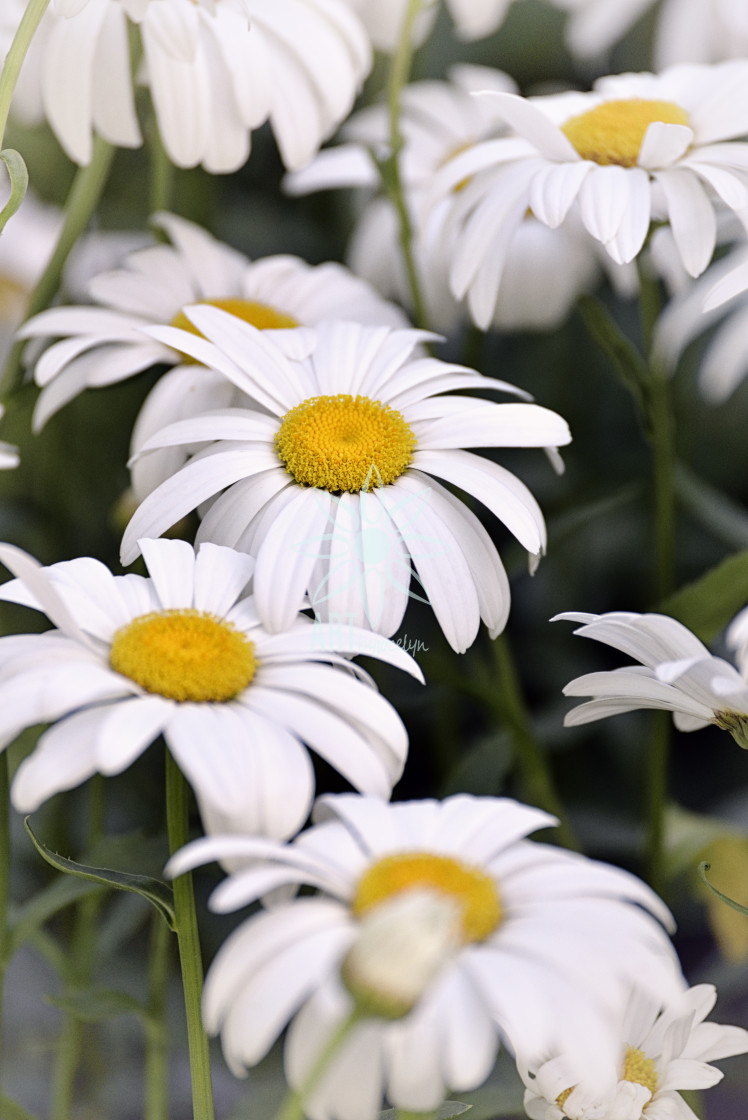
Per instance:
{"type": "Point", "coordinates": [472, 19]}
{"type": "Point", "coordinates": [676, 673]}
{"type": "Point", "coordinates": [349, 440]}
{"type": "Point", "coordinates": [663, 1050]}
{"type": "Point", "coordinates": [547, 946]}
{"type": "Point", "coordinates": [638, 148]}
{"type": "Point", "coordinates": [105, 343]}
{"type": "Point", "coordinates": [546, 269]}
{"type": "Point", "coordinates": [216, 70]}
{"type": "Point", "coordinates": [182, 654]}
{"type": "Point", "coordinates": [686, 30]}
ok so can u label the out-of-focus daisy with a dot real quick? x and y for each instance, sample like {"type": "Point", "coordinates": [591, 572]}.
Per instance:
{"type": "Point", "coordinates": [26, 245]}
{"type": "Point", "coordinates": [472, 19]}
{"type": "Point", "coordinates": [9, 456]}
{"type": "Point", "coordinates": [640, 147]}
{"type": "Point", "coordinates": [663, 1051]}
{"type": "Point", "coordinates": [550, 944]}
{"type": "Point", "coordinates": [546, 269]}
{"type": "Point", "coordinates": [182, 654]}
{"type": "Point", "coordinates": [686, 30]}
{"type": "Point", "coordinates": [217, 69]}
{"type": "Point", "coordinates": [340, 471]}
{"type": "Point", "coordinates": [676, 673]}
{"type": "Point", "coordinates": [103, 344]}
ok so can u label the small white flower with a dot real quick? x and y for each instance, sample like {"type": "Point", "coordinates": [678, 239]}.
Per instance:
{"type": "Point", "coordinates": [676, 673]}
{"type": "Point", "coordinates": [550, 945]}
{"type": "Point", "coordinates": [662, 1052]}
{"type": "Point", "coordinates": [346, 449]}
{"type": "Point", "coordinates": [217, 69]}
{"type": "Point", "coordinates": [638, 148]}
{"type": "Point", "coordinates": [104, 344]}
{"type": "Point", "coordinates": [182, 654]}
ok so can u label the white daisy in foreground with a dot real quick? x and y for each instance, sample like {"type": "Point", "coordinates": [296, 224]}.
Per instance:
{"type": "Point", "coordinates": [549, 945]}
{"type": "Point", "coordinates": [332, 485]}
{"type": "Point", "coordinates": [663, 1051]}
{"type": "Point", "coordinates": [686, 30]}
{"type": "Point", "coordinates": [217, 69]}
{"type": "Point", "coordinates": [677, 673]}
{"type": "Point", "coordinates": [639, 148]}
{"type": "Point", "coordinates": [183, 655]}
{"type": "Point", "coordinates": [104, 344]}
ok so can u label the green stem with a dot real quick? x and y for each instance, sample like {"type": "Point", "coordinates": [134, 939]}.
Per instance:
{"type": "Point", "coordinates": [82, 200]}
{"type": "Point", "coordinates": [398, 77]}
{"type": "Point", "coordinates": [157, 1049]}
{"type": "Point", "coordinates": [25, 32]}
{"type": "Point", "coordinates": [505, 696]}
{"type": "Point", "coordinates": [292, 1107]}
{"type": "Point", "coordinates": [5, 862]}
{"type": "Point", "coordinates": [189, 945]}
{"type": "Point", "coordinates": [161, 182]}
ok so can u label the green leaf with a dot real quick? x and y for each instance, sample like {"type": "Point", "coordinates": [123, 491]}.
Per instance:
{"type": "Point", "coordinates": [725, 518]}
{"type": "Point", "coordinates": [94, 1004]}
{"type": "Point", "coordinates": [157, 893]}
{"type": "Point", "coordinates": [483, 768]}
{"type": "Point", "coordinates": [703, 868]}
{"type": "Point", "coordinates": [620, 351]}
{"type": "Point", "coordinates": [19, 182]}
{"type": "Point", "coordinates": [30, 917]}
{"type": "Point", "coordinates": [9, 1110]}
{"type": "Point", "coordinates": [710, 602]}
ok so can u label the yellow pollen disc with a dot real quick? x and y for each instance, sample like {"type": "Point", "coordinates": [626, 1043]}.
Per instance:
{"type": "Point", "coordinates": [475, 891]}
{"type": "Point", "coordinates": [562, 1098]}
{"type": "Point", "coordinates": [344, 443]}
{"type": "Point", "coordinates": [640, 1069]}
{"type": "Point", "coordinates": [184, 655]}
{"type": "Point", "coordinates": [614, 131]}
{"type": "Point", "coordinates": [259, 315]}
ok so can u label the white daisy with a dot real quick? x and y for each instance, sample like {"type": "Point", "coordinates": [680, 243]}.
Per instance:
{"type": "Point", "coordinates": [332, 485]}
{"type": "Point", "coordinates": [550, 944]}
{"type": "Point", "coordinates": [686, 30]}
{"type": "Point", "coordinates": [677, 673]}
{"type": "Point", "coordinates": [217, 69]}
{"type": "Point", "coordinates": [182, 654]}
{"type": "Point", "coordinates": [663, 1051]}
{"type": "Point", "coordinates": [640, 147]}
{"type": "Point", "coordinates": [473, 19]}
{"type": "Point", "coordinates": [546, 269]}
{"type": "Point", "coordinates": [104, 344]}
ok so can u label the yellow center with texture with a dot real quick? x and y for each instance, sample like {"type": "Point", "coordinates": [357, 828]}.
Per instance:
{"type": "Point", "coordinates": [474, 890]}
{"type": "Point", "coordinates": [259, 315]}
{"type": "Point", "coordinates": [637, 1067]}
{"type": "Point", "coordinates": [614, 131]}
{"type": "Point", "coordinates": [185, 655]}
{"type": "Point", "coordinates": [344, 443]}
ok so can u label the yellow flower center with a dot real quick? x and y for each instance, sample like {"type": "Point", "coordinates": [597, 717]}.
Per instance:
{"type": "Point", "coordinates": [636, 1067]}
{"type": "Point", "coordinates": [344, 443]}
{"type": "Point", "coordinates": [474, 891]}
{"type": "Point", "coordinates": [184, 655]}
{"type": "Point", "coordinates": [614, 131]}
{"type": "Point", "coordinates": [259, 315]}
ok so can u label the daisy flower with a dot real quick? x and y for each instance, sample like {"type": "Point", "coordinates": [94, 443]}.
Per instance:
{"type": "Point", "coordinates": [549, 944]}
{"type": "Point", "coordinates": [182, 654]}
{"type": "Point", "coordinates": [686, 30]}
{"type": "Point", "coordinates": [638, 148]}
{"type": "Point", "coordinates": [103, 344]}
{"type": "Point", "coordinates": [472, 19]}
{"type": "Point", "coordinates": [676, 673]}
{"type": "Point", "coordinates": [332, 485]}
{"type": "Point", "coordinates": [216, 69]}
{"type": "Point", "coordinates": [662, 1052]}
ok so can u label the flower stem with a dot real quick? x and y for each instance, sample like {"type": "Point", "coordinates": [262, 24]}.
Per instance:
{"type": "Point", "coordinates": [390, 169]}
{"type": "Point", "coordinates": [292, 1107]}
{"type": "Point", "coordinates": [25, 32]}
{"type": "Point", "coordinates": [82, 200]}
{"type": "Point", "coordinates": [189, 945]}
{"type": "Point", "coordinates": [156, 1053]}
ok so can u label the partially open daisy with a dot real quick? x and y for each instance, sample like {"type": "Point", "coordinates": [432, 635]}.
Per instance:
{"type": "Point", "coordinates": [549, 943]}
{"type": "Point", "coordinates": [676, 673]}
{"type": "Point", "coordinates": [332, 485]}
{"type": "Point", "coordinates": [217, 69]}
{"type": "Point", "coordinates": [182, 654]}
{"type": "Point", "coordinates": [103, 344]}
{"type": "Point", "coordinates": [663, 1050]}
{"type": "Point", "coordinates": [639, 148]}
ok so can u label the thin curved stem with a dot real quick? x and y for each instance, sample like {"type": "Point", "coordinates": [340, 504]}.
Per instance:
{"type": "Point", "coordinates": [25, 32]}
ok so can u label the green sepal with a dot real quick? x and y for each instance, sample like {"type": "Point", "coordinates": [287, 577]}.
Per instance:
{"type": "Point", "coordinates": [93, 1004]}
{"type": "Point", "coordinates": [710, 602]}
{"type": "Point", "coordinates": [30, 917]}
{"type": "Point", "coordinates": [158, 894]}
{"type": "Point", "coordinates": [703, 868]}
{"type": "Point", "coordinates": [19, 182]}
